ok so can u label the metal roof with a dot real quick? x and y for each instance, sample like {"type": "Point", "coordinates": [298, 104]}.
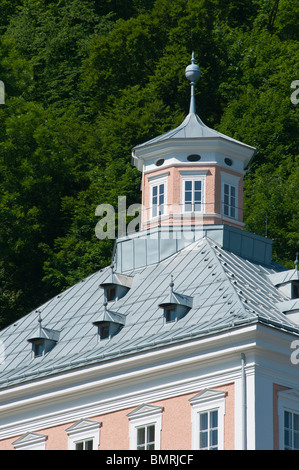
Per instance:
{"type": "Point", "coordinates": [227, 291]}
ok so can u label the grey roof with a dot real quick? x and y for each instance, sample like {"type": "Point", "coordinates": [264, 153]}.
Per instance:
{"type": "Point", "coordinates": [227, 292]}
{"type": "Point", "coordinates": [191, 128]}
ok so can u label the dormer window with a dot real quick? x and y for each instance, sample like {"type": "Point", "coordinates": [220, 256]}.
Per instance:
{"type": "Point", "coordinates": [116, 286]}
{"type": "Point", "coordinates": [176, 306]}
{"type": "Point", "coordinates": [109, 323]}
{"type": "Point", "coordinates": [43, 339]}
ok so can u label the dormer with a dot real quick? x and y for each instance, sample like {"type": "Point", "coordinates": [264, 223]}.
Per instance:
{"type": "Point", "coordinates": [43, 339]}
{"type": "Point", "coordinates": [287, 282]}
{"type": "Point", "coordinates": [109, 323]}
{"type": "Point", "coordinates": [116, 285]}
{"type": "Point", "coordinates": [192, 174]}
{"type": "Point", "coordinates": [175, 306]}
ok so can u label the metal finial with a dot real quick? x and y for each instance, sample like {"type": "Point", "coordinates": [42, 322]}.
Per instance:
{"type": "Point", "coordinates": [105, 304]}
{"type": "Point", "coordinates": [296, 262]}
{"type": "Point", "coordinates": [192, 74]}
{"type": "Point", "coordinates": [171, 284]}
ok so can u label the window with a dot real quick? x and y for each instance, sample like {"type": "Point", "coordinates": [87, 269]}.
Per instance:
{"type": "Point", "coordinates": [111, 293]}
{"type": "Point", "coordinates": [158, 199]}
{"type": "Point", "coordinates": [84, 445]}
{"type": "Point", "coordinates": [192, 195]}
{"type": "Point", "coordinates": [38, 348]}
{"type": "Point", "coordinates": [170, 314]}
{"type": "Point", "coordinates": [295, 293]}
{"type": "Point", "coordinates": [229, 195]}
{"type": "Point", "coordinates": [158, 195]}
{"type": "Point", "coordinates": [84, 435]}
{"type": "Point", "coordinates": [146, 437]}
{"type": "Point", "coordinates": [229, 201]}
{"type": "Point", "coordinates": [145, 427]}
{"type": "Point", "coordinates": [208, 430]}
{"type": "Point", "coordinates": [193, 190]}
{"type": "Point", "coordinates": [207, 417]}
{"type": "Point", "coordinates": [104, 331]}
{"type": "Point", "coordinates": [291, 430]}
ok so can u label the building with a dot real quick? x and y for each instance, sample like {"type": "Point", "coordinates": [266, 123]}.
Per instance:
{"type": "Point", "coordinates": [188, 341]}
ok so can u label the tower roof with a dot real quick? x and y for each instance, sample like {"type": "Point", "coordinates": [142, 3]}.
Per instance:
{"type": "Point", "coordinates": [192, 128]}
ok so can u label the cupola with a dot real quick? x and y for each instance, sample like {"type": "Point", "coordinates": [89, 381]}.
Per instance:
{"type": "Point", "coordinates": [192, 174]}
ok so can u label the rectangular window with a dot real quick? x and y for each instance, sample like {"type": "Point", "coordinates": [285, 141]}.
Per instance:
{"type": "Point", "coordinates": [208, 430]}
{"type": "Point", "coordinates": [158, 200]}
{"type": "Point", "coordinates": [291, 431]}
{"type": "Point", "coordinates": [104, 331]}
{"type": "Point", "coordinates": [229, 200]}
{"type": "Point", "coordinates": [146, 437]}
{"type": "Point", "coordinates": [84, 445]}
{"type": "Point", "coordinates": [192, 195]}
{"type": "Point", "coordinates": [170, 314]}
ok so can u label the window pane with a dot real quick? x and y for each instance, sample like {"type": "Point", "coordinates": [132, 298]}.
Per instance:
{"type": "Point", "coordinates": [79, 446]}
{"type": "Point", "coordinates": [296, 422]}
{"type": "Point", "coordinates": [197, 185]}
{"type": "Point", "coordinates": [213, 437]}
{"type": "Point", "coordinates": [287, 419]}
{"type": "Point", "coordinates": [214, 419]}
{"type": "Point", "coordinates": [161, 189]}
{"type": "Point", "coordinates": [188, 196]}
{"type": "Point", "coordinates": [203, 440]}
{"type": "Point", "coordinates": [151, 434]}
{"type": "Point", "coordinates": [188, 185]}
{"type": "Point", "coordinates": [89, 445]}
{"type": "Point", "coordinates": [140, 436]}
{"type": "Point", "coordinates": [155, 190]}
{"type": "Point", "coordinates": [296, 440]}
{"type": "Point", "coordinates": [203, 421]}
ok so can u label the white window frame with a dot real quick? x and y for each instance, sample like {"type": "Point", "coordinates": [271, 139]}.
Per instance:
{"type": "Point", "coordinates": [192, 175]}
{"type": "Point", "coordinates": [145, 415]}
{"type": "Point", "coordinates": [157, 181]}
{"type": "Point", "coordinates": [206, 401]}
{"type": "Point", "coordinates": [231, 181]}
{"type": "Point", "coordinates": [84, 430]}
{"type": "Point", "coordinates": [288, 400]}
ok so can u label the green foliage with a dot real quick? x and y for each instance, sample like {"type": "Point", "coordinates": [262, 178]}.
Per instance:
{"type": "Point", "coordinates": [86, 81]}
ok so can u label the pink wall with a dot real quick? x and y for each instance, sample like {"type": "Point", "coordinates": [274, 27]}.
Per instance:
{"type": "Point", "coordinates": [114, 432]}
{"type": "Point", "coordinates": [212, 194]}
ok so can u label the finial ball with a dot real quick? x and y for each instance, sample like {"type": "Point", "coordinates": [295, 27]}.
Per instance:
{"type": "Point", "coordinates": [192, 71]}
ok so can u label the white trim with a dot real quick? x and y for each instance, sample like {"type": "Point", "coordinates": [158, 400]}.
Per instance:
{"type": "Point", "coordinates": [145, 415]}
{"type": "Point", "coordinates": [208, 400]}
{"type": "Point", "coordinates": [84, 430]}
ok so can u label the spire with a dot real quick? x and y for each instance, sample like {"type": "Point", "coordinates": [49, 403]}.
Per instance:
{"type": "Point", "coordinates": [192, 74]}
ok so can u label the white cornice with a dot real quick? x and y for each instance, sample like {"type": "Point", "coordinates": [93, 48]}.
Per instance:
{"type": "Point", "coordinates": [125, 374]}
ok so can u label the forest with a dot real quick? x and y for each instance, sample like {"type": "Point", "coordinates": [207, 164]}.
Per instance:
{"type": "Point", "coordinates": [86, 80]}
